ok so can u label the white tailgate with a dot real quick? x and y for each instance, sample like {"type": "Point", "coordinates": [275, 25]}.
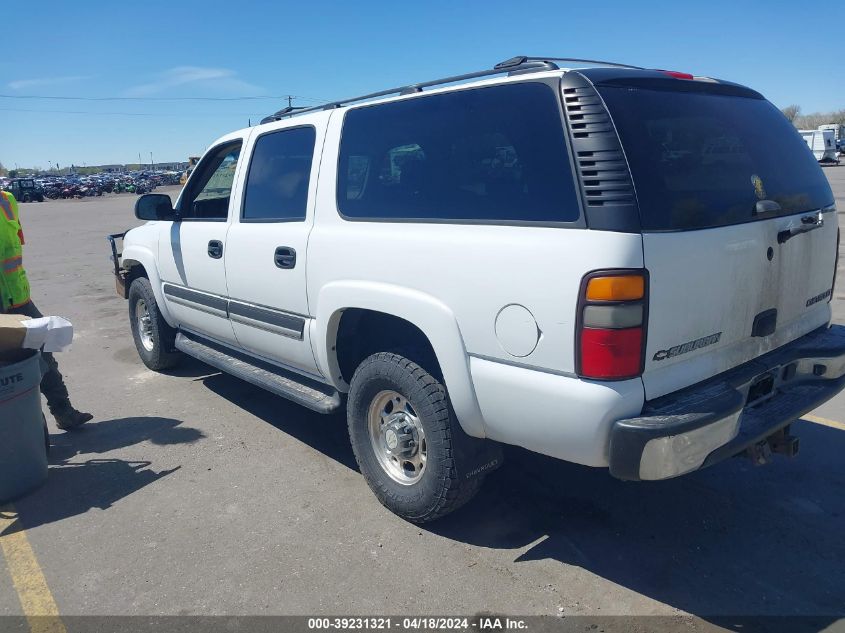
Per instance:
{"type": "Point", "coordinates": [707, 287]}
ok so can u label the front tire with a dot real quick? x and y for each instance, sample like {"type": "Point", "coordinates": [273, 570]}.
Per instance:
{"type": "Point", "coordinates": [403, 433]}
{"type": "Point", "coordinates": [154, 338]}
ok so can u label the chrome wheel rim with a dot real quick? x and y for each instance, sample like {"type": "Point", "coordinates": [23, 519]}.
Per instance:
{"type": "Point", "coordinates": [144, 323]}
{"type": "Point", "coordinates": [397, 437]}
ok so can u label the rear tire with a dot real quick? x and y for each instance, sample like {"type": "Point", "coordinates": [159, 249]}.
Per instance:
{"type": "Point", "coordinates": [154, 338]}
{"type": "Point", "coordinates": [403, 431]}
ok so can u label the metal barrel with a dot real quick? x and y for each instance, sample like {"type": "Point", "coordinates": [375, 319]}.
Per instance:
{"type": "Point", "coordinates": [23, 449]}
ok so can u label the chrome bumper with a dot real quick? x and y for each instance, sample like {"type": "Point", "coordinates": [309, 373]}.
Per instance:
{"type": "Point", "coordinates": [718, 418]}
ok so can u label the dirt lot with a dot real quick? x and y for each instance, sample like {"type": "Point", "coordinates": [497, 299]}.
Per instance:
{"type": "Point", "coordinates": [196, 493]}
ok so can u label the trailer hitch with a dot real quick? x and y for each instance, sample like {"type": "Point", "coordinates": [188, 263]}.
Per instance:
{"type": "Point", "coordinates": [780, 442]}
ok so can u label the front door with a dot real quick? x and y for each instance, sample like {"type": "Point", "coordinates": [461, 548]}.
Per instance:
{"type": "Point", "coordinates": [192, 250]}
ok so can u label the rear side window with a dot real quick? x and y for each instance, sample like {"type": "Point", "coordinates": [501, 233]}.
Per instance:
{"type": "Point", "coordinates": [489, 154]}
{"type": "Point", "coordinates": [704, 160]}
{"type": "Point", "coordinates": [277, 183]}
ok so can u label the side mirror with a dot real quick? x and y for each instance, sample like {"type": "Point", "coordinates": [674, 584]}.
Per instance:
{"type": "Point", "coordinates": [154, 206]}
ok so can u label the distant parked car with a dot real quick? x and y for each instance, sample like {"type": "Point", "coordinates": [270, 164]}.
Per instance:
{"type": "Point", "coordinates": [24, 190]}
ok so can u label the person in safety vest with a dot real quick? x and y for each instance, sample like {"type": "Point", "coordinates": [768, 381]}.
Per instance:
{"type": "Point", "coordinates": [14, 299]}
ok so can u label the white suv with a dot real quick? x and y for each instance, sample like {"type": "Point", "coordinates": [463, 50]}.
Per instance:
{"type": "Point", "coordinates": [618, 267]}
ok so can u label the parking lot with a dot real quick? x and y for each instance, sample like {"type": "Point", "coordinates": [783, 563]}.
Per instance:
{"type": "Point", "coordinates": [192, 492]}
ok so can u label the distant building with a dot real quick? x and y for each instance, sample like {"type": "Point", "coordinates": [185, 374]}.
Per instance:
{"type": "Point", "coordinates": [117, 169]}
{"type": "Point", "coordinates": [171, 166]}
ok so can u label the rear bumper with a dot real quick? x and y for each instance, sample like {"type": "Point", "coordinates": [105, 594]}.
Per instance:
{"type": "Point", "coordinates": [718, 418]}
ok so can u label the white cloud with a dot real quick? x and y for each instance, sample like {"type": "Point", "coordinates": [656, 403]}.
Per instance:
{"type": "Point", "coordinates": [219, 79]}
{"type": "Point", "coordinates": [41, 82]}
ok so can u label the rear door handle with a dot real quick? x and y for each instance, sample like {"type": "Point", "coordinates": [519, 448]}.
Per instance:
{"type": "Point", "coordinates": [215, 249]}
{"type": "Point", "coordinates": [285, 257]}
{"type": "Point", "coordinates": [808, 223]}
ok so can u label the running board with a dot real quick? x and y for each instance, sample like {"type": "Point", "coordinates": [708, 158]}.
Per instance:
{"type": "Point", "coordinates": [299, 389]}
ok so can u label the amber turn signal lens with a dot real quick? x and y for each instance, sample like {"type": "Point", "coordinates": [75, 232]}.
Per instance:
{"type": "Point", "coordinates": [617, 288]}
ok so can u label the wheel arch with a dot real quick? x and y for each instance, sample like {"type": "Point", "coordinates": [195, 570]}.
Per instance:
{"type": "Point", "coordinates": [363, 332]}
{"type": "Point", "coordinates": [139, 261]}
{"type": "Point", "coordinates": [422, 312]}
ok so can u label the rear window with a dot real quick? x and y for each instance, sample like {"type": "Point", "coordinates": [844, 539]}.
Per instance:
{"type": "Point", "coordinates": [493, 154]}
{"type": "Point", "coordinates": [702, 160]}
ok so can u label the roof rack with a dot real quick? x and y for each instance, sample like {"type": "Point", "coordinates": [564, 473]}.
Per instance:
{"type": "Point", "coordinates": [522, 59]}
{"type": "Point", "coordinates": [512, 66]}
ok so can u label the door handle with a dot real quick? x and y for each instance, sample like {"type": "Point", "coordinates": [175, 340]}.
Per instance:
{"type": "Point", "coordinates": [808, 223]}
{"type": "Point", "coordinates": [285, 257]}
{"type": "Point", "coordinates": [215, 249]}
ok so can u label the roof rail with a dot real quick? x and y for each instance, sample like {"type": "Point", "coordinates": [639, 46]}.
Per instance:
{"type": "Point", "coordinates": [512, 67]}
{"type": "Point", "coordinates": [523, 59]}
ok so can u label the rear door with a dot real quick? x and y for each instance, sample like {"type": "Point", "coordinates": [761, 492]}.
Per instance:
{"type": "Point", "coordinates": [739, 228]}
{"type": "Point", "coordinates": [265, 260]}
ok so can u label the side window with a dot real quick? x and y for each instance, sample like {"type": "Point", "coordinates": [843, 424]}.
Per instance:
{"type": "Point", "coordinates": [277, 184]}
{"type": "Point", "coordinates": [211, 187]}
{"type": "Point", "coordinates": [487, 154]}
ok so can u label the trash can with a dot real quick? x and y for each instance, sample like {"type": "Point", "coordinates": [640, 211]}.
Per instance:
{"type": "Point", "coordinates": [23, 449]}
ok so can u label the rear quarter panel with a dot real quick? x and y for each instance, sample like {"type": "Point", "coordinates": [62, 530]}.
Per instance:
{"type": "Point", "coordinates": [474, 270]}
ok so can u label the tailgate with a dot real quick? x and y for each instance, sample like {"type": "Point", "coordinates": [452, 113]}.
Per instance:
{"type": "Point", "coordinates": [739, 228]}
{"type": "Point", "coordinates": [717, 300]}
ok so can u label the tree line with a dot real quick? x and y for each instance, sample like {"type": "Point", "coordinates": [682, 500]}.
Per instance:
{"type": "Point", "coordinates": [814, 120]}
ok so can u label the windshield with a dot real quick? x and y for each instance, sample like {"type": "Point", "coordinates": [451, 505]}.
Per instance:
{"type": "Point", "coordinates": [702, 160]}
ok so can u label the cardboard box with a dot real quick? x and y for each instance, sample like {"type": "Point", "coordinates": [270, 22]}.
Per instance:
{"type": "Point", "coordinates": [12, 331]}
{"type": "Point", "coordinates": [51, 333]}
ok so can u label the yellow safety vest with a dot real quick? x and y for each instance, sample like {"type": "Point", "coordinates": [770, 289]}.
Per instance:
{"type": "Point", "coordinates": [14, 287]}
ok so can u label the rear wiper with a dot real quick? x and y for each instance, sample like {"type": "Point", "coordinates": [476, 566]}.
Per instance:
{"type": "Point", "coordinates": [766, 206]}
{"type": "Point", "coordinates": [808, 223]}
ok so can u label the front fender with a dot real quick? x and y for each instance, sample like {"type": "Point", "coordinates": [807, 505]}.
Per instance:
{"type": "Point", "coordinates": [427, 313]}
{"type": "Point", "coordinates": [136, 253]}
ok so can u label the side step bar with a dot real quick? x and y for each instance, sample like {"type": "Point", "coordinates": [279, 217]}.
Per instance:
{"type": "Point", "coordinates": [299, 389]}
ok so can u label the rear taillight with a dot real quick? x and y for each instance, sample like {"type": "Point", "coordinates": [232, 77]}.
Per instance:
{"type": "Point", "coordinates": [611, 323]}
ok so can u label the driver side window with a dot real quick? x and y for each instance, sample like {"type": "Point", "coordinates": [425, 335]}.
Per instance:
{"type": "Point", "coordinates": [211, 185]}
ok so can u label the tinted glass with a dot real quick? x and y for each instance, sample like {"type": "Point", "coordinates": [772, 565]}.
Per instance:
{"type": "Point", "coordinates": [703, 160]}
{"type": "Point", "coordinates": [489, 154]}
{"type": "Point", "coordinates": [277, 184]}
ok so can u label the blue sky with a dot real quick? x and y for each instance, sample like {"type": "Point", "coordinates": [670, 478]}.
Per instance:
{"type": "Point", "coordinates": [325, 50]}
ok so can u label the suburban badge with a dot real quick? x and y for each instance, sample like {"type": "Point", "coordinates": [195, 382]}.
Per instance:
{"type": "Point", "coordinates": [687, 347]}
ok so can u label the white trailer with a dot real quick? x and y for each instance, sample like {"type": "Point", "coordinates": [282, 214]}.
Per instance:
{"type": "Point", "coordinates": [822, 144]}
{"type": "Point", "coordinates": [838, 134]}
{"type": "Point", "coordinates": [838, 130]}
